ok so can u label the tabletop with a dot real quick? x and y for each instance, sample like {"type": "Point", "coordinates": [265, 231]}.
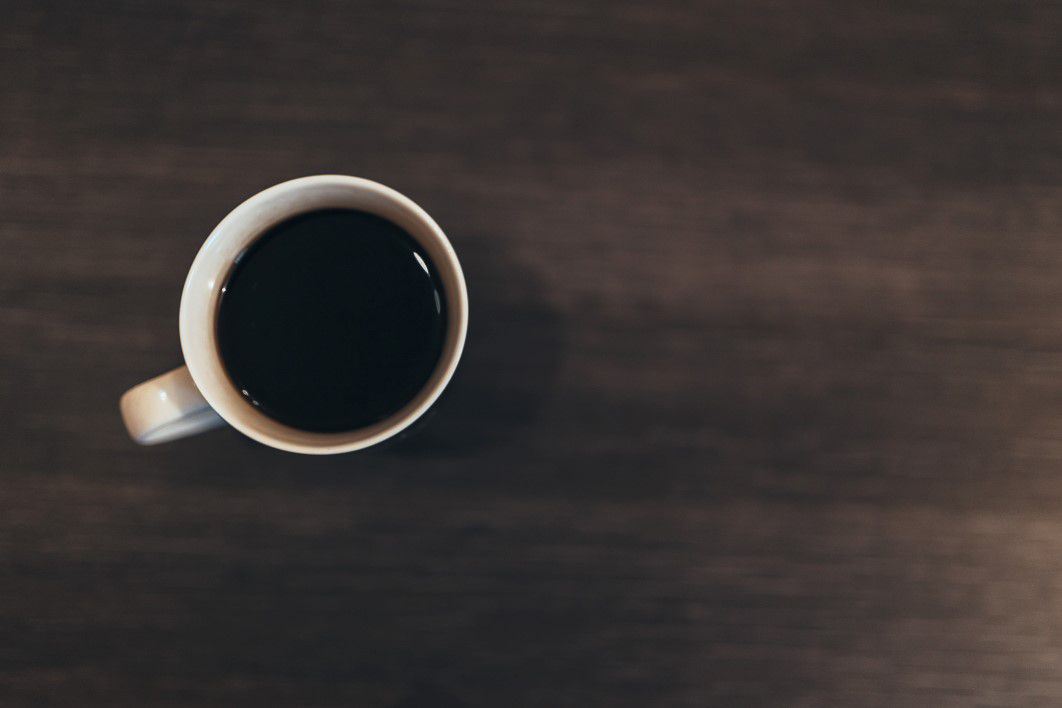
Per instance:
{"type": "Point", "coordinates": [762, 399]}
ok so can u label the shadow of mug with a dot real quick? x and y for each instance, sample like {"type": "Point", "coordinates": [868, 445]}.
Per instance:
{"type": "Point", "coordinates": [509, 366]}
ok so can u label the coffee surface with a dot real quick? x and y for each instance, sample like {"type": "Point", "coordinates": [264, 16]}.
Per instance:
{"type": "Point", "coordinates": [331, 321]}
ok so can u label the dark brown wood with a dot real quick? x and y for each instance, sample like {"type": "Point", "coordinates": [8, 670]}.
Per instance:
{"type": "Point", "coordinates": [763, 397]}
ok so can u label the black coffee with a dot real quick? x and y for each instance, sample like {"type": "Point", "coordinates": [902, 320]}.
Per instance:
{"type": "Point", "coordinates": [332, 320]}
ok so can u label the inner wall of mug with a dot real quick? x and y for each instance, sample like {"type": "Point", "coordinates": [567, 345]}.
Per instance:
{"type": "Point", "coordinates": [237, 231]}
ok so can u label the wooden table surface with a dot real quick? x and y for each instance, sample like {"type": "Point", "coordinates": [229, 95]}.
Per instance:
{"type": "Point", "coordinates": [762, 402]}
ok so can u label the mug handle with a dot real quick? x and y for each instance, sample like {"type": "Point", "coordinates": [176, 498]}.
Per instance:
{"type": "Point", "coordinates": [167, 407]}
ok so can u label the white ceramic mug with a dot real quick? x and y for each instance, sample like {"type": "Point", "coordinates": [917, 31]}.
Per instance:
{"type": "Point", "coordinates": [199, 396]}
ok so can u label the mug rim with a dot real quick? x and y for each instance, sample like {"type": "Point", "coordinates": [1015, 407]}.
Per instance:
{"type": "Point", "coordinates": [243, 226]}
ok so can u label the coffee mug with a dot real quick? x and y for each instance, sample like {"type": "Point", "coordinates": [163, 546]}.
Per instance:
{"type": "Point", "coordinates": [200, 395]}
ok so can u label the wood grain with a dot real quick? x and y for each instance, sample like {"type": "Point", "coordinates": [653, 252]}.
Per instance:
{"type": "Point", "coordinates": [763, 397]}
